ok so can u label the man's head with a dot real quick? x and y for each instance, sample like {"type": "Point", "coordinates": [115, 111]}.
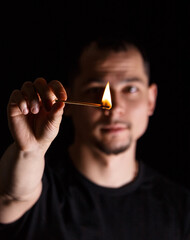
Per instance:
{"type": "Point", "coordinates": [133, 98]}
{"type": "Point", "coordinates": [104, 44]}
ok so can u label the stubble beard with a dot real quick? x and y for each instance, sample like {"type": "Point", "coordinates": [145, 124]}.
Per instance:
{"type": "Point", "coordinates": [115, 150]}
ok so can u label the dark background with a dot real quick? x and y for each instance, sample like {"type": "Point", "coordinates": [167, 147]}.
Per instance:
{"type": "Point", "coordinates": [36, 40]}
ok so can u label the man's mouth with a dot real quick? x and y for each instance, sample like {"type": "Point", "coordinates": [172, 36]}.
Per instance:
{"type": "Point", "coordinates": [114, 128]}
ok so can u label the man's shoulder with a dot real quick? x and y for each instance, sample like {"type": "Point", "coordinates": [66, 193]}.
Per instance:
{"type": "Point", "coordinates": [163, 185]}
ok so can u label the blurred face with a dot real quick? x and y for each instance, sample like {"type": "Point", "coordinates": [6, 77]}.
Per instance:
{"type": "Point", "coordinates": [133, 100]}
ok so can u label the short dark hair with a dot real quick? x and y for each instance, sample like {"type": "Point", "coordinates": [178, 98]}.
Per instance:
{"type": "Point", "coordinates": [110, 43]}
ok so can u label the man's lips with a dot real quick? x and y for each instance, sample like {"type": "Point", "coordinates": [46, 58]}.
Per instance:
{"type": "Point", "coordinates": [114, 128]}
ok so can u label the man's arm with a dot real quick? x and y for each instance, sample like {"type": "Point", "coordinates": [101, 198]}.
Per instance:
{"type": "Point", "coordinates": [20, 182]}
{"type": "Point", "coordinates": [34, 121]}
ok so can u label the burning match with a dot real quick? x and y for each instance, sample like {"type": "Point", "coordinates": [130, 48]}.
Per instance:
{"type": "Point", "coordinates": [88, 104]}
{"type": "Point", "coordinates": [106, 100]}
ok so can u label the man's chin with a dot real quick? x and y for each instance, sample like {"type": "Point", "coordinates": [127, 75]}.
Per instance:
{"type": "Point", "coordinates": [115, 150]}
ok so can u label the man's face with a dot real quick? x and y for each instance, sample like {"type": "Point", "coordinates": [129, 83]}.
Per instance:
{"type": "Point", "coordinates": [112, 131]}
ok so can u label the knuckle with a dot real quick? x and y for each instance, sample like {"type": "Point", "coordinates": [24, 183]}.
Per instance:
{"type": "Point", "coordinates": [57, 87]}
{"type": "Point", "coordinates": [54, 84]}
{"type": "Point", "coordinates": [54, 81]}
{"type": "Point", "coordinates": [15, 92]}
{"type": "Point", "coordinates": [27, 84]}
{"type": "Point", "coordinates": [16, 97]}
{"type": "Point", "coordinates": [27, 87]}
{"type": "Point", "coordinates": [39, 80]}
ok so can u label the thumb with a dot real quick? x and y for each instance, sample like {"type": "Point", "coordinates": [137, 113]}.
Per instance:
{"type": "Point", "coordinates": [56, 113]}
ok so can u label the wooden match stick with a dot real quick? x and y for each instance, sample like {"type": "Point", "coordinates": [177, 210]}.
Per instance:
{"type": "Point", "coordinates": [87, 104]}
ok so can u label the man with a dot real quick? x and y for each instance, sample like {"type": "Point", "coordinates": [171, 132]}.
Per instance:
{"type": "Point", "coordinates": [101, 191]}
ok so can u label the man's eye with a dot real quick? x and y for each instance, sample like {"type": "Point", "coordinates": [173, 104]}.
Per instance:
{"type": "Point", "coordinates": [131, 89]}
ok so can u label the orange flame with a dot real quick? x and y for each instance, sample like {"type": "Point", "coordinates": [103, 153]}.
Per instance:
{"type": "Point", "coordinates": [106, 99]}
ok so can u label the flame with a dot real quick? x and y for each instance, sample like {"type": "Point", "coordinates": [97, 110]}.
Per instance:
{"type": "Point", "coordinates": [106, 99]}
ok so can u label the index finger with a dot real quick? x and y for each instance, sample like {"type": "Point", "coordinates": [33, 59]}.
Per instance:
{"type": "Point", "coordinates": [58, 89]}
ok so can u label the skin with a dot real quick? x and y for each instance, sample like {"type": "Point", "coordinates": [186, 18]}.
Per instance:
{"type": "Point", "coordinates": [34, 119]}
{"type": "Point", "coordinates": [105, 141]}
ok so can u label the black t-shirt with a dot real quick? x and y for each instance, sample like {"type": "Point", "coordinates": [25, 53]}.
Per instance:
{"type": "Point", "coordinates": [72, 208]}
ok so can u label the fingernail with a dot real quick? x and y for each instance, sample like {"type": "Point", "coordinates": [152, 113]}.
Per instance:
{"type": "Point", "coordinates": [25, 111]}
{"type": "Point", "coordinates": [35, 109]}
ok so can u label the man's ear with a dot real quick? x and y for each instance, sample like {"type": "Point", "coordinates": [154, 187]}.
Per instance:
{"type": "Point", "coordinates": [152, 96]}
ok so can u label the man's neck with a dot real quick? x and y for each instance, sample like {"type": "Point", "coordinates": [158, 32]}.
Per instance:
{"type": "Point", "coordinates": [105, 170]}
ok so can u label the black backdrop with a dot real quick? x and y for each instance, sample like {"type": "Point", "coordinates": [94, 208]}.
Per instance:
{"type": "Point", "coordinates": [36, 36]}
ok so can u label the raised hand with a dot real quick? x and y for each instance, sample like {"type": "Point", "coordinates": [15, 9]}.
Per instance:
{"type": "Point", "coordinates": [33, 115]}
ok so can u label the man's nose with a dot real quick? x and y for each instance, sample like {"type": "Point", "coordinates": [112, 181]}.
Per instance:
{"type": "Point", "coordinates": [118, 105]}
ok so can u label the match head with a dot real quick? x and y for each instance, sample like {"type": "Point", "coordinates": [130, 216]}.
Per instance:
{"type": "Point", "coordinates": [106, 107]}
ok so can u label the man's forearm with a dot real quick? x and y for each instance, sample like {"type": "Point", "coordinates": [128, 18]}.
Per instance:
{"type": "Point", "coordinates": [20, 173]}
{"type": "Point", "coordinates": [20, 182]}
